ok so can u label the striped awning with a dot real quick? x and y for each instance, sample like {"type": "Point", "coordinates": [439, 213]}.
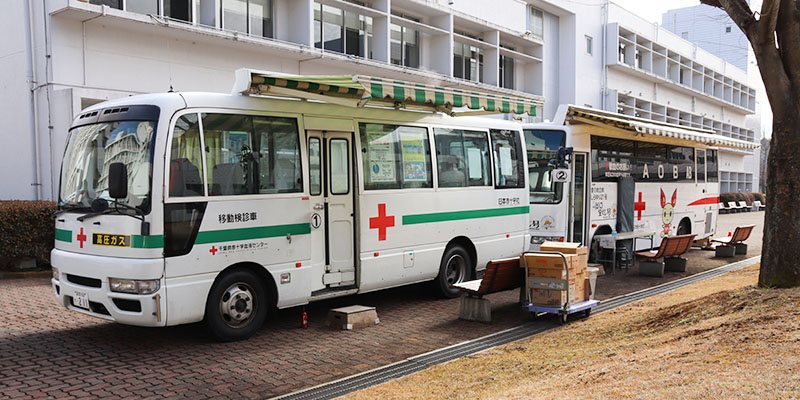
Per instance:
{"type": "Point", "coordinates": [643, 126]}
{"type": "Point", "coordinates": [360, 90]}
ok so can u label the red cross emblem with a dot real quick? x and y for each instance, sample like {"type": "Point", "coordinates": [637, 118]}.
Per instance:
{"type": "Point", "coordinates": [381, 222]}
{"type": "Point", "coordinates": [81, 237]}
{"type": "Point", "coordinates": [213, 250]}
{"type": "Point", "coordinates": [639, 206]}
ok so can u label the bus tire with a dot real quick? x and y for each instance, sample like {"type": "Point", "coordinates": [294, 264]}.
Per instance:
{"type": "Point", "coordinates": [456, 267]}
{"type": "Point", "coordinates": [237, 306]}
{"type": "Point", "coordinates": [685, 227]}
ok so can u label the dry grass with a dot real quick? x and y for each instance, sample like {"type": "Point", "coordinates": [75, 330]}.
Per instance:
{"type": "Point", "coordinates": [716, 339]}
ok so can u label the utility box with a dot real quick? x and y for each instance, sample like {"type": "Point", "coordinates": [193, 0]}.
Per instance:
{"type": "Point", "coordinates": [352, 317]}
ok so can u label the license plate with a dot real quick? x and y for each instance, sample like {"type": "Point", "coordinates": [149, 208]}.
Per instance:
{"type": "Point", "coordinates": [109, 239]}
{"type": "Point", "coordinates": [80, 299]}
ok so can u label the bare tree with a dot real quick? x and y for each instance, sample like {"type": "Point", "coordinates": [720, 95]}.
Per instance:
{"type": "Point", "coordinates": [774, 34]}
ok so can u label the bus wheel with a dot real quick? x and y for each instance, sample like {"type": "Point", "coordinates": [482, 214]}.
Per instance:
{"type": "Point", "coordinates": [236, 307]}
{"type": "Point", "coordinates": [684, 228]}
{"type": "Point", "coordinates": [455, 268]}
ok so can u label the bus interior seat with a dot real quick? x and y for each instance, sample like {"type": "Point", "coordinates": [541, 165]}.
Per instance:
{"type": "Point", "coordinates": [228, 179]}
{"type": "Point", "coordinates": [184, 179]}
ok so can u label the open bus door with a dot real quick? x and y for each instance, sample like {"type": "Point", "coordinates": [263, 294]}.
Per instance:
{"type": "Point", "coordinates": [578, 200]}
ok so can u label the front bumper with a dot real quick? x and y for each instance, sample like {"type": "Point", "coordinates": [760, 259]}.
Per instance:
{"type": "Point", "coordinates": [85, 276]}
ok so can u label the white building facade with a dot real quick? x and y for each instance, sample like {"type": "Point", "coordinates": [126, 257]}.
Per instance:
{"type": "Point", "coordinates": [72, 53]}
{"type": "Point", "coordinates": [711, 29]}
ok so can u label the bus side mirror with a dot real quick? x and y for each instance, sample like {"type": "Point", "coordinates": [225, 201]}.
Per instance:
{"type": "Point", "coordinates": [118, 180]}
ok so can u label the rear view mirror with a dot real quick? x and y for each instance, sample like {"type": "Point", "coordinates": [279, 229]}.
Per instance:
{"type": "Point", "coordinates": [118, 180]}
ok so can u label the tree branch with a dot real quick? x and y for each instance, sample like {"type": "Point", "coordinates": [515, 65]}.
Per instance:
{"type": "Point", "coordinates": [788, 32]}
{"type": "Point", "coordinates": [740, 13]}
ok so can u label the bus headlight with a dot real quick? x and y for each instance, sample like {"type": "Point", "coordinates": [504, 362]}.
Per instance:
{"type": "Point", "coordinates": [134, 286]}
{"type": "Point", "coordinates": [55, 273]}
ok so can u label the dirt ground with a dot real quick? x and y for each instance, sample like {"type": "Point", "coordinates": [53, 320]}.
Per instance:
{"type": "Point", "coordinates": [721, 338]}
{"type": "Point", "coordinates": [627, 281]}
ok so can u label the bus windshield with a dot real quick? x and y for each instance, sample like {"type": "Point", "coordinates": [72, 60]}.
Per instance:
{"type": "Point", "coordinates": [90, 151]}
{"type": "Point", "coordinates": [542, 146]}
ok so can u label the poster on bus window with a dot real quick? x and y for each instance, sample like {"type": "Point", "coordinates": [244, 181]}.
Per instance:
{"type": "Point", "coordinates": [381, 157]}
{"type": "Point", "coordinates": [414, 160]}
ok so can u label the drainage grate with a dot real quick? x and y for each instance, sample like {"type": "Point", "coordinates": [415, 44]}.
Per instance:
{"type": "Point", "coordinates": [408, 366]}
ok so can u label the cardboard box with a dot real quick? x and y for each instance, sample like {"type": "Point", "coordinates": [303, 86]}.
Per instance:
{"type": "Point", "coordinates": [551, 298]}
{"type": "Point", "coordinates": [549, 265]}
{"type": "Point", "coordinates": [582, 252]}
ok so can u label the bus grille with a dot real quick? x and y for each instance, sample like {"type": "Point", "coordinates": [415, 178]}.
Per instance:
{"type": "Point", "coordinates": [84, 281]}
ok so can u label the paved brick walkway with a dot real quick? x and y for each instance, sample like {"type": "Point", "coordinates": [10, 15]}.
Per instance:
{"type": "Point", "coordinates": [48, 352]}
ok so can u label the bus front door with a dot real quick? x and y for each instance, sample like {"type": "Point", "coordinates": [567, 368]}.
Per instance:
{"type": "Point", "coordinates": [332, 202]}
{"type": "Point", "coordinates": [578, 205]}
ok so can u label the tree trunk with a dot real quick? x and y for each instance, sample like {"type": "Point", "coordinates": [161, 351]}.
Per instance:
{"type": "Point", "coordinates": [780, 260]}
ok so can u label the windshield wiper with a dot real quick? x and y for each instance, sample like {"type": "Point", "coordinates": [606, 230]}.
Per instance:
{"type": "Point", "coordinates": [67, 207]}
{"type": "Point", "coordinates": [100, 207]}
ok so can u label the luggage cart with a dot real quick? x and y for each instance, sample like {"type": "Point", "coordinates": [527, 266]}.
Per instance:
{"type": "Point", "coordinates": [563, 311]}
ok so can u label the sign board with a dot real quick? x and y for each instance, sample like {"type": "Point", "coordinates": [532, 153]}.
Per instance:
{"type": "Point", "coordinates": [561, 175]}
{"type": "Point", "coordinates": [606, 242]}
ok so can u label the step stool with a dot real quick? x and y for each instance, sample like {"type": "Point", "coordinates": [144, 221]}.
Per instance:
{"type": "Point", "coordinates": [352, 317]}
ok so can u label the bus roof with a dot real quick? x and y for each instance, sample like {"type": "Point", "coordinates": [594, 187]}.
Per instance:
{"type": "Point", "coordinates": [174, 101]}
{"type": "Point", "coordinates": [640, 127]}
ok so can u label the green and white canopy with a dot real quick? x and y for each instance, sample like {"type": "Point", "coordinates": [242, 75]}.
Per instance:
{"type": "Point", "coordinates": [359, 90]}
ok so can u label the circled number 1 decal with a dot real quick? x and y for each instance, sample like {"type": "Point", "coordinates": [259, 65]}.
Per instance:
{"type": "Point", "coordinates": [316, 220]}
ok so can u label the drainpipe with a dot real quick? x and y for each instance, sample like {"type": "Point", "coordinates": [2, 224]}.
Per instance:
{"type": "Point", "coordinates": [34, 119]}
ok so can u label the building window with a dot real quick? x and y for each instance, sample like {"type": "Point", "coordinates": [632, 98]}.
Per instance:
{"type": "Point", "coordinates": [110, 3]}
{"type": "Point", "coordinates": [536, 23]}
{"type": "Point", "coordinates": [342, 31]}
{"type": "Point", "coordinates": [685, 35]}
{"type": "Point", "coordinates": [248, 16]}
{"type": "Point", "coordinates": [727, 29]}
{"type": "Point", "coordinates": [588, 45]}
{"type": "Point", "coordinates": [506, 72]}
{"type": "Point", "coordinates": [405, 46]}
{"type": "Point", "coordinates": [467, 62]}
{"type": "Point", "coordinates": [142, 6]}
{"type": "Point", "coordinates": [638, 58]}
{"type": "Point", "coordinates": [621, 56]}
{"type": "Point", "coordinates": [178, 9]}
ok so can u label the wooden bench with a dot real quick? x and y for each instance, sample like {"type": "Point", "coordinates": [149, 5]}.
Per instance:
{"type": "Point", "coordinates": [671, 249]}
{"type": "Point", "coordinates": [734, 244]}
{"type": "Point", "coordinates": [500, 275]}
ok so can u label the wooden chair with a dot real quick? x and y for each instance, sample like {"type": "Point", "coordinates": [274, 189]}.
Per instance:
{"type": "Point", "coordinates": [499, 276]}
{"type": "Point", "coordinates": [734, 244]}
{"type": "Point", "coordinates": [671, 249]}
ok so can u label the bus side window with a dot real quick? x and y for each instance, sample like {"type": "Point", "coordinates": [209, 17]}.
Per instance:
{"type": "Point", "coordinates": [229, 154]}
{"type": "Point", "coordinates": [279, 168]}
{"type": "Point", "coordinates": [395, 156]}
{"type": "Point", "coordinates": [507, 162]}
{"type": "Point", "coordinates": [315, 166]}
{"type": "Point", "coordinates": [463, 158]}
{"type": "Point", "coordinates": [186, 159]}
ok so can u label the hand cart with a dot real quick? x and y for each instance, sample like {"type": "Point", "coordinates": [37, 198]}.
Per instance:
{"type": "Point", "coordinates": [555, 284]}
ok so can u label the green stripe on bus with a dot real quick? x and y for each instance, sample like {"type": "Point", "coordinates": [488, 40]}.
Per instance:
{"type": "Point", "coordinates": [147, 242]}
{"type": "Point", "coordinates": [64, 235]}
{"type": "Point", "coordinates": [258, 232]}
{"type": "Point", "coordinates": [458, 215]}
